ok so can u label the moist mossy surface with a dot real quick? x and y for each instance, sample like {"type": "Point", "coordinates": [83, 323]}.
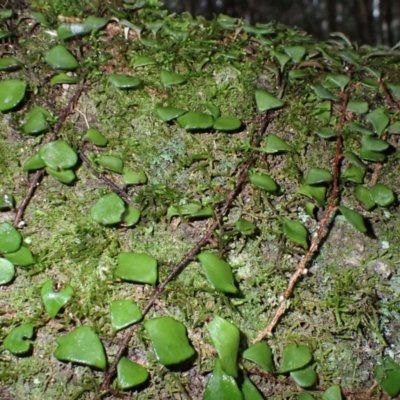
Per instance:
{"type": "Point", "coordinates": [346, 307]}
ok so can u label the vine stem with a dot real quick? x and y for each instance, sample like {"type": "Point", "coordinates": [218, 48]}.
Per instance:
{"type": "Point", "coordinates": [37, 177]}
{"type": "Point", "coordinates": [315, 243]}
{"type": "Point", "coordinates": [396, 105]}
{"type": "Point", "coordinates": [190, 256]}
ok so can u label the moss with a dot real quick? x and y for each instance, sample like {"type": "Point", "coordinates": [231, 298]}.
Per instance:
{"type": "Point", "coordinates": [342, 308]}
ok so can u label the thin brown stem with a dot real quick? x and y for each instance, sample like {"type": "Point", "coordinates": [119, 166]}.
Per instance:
{"type": "Point", "coordinates": [37, 177]}
{"type": "Point", "coordinates": [191, 255]}
{"type": "Point", "coordinates": [315, 243]}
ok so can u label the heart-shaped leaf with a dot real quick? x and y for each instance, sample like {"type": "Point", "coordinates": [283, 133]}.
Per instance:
{"type": "Point", "coordinates": [191, 210]}
{"type": "Point", "coordinates": [33, 163]}
{"type": "Point", "coordinates": [354, 174]}
{"type": "Point", "coordinates": [16, 342]}
{"type": "Point", "coordinates": [7, 202]}
{"type": "Point", "coordinates": [7, 271]}
{"type": "Point", "coordinates": [263, 181]}
{"type": "Point", "coordinates": [92, 23]}
{"type": "Point", "coordinates": [358, 107]}
{"type": "Point", "coordinates": [81, 346]}
{"type": "Point", "coordinates": [388, 376]}
{"type": "Point", "coordinates": [137, 267]}
{"type": "Point", "coordinates": [296, 53]}
{"type": "Point", "coordinates": [10, 64]}
{"type": "Point", "coordinates": [318, 176]}
{"type": "Point", "coordinates": [131, 216]}
{"type": "Point", "coordinates": [326, 132]}
{"type": "Point", "coordinates": [295, 357]}
{"type": "Point", "coordinates": [249, 390]}
{"type": "Point", "coordinates": [356, 127]}
{"type": "Point", "coordinates": [169, 78]}
{"type": "Point", "coordinates": [108, 209]}
{"type": "Point", "coordinates": [370, 155]}
{"type": "Point", "coordinates": [169, 113]}
{"type": "Point", "coordinates": [59, 57]}
{"type": "Point", "coordinates": [355, 218]}
{"type": "Point", "coordinates": [195, 120]}
{"type": "Point", "coordinates": [22, 257]}
{"type": "Point", "coordinates": [58, 155]}
{"type": "Point", "coordinates": [142, 61]}
{"type": "Point", "coordinates": [10, 238]}
{"type": "Point", "coordinates": [317, 193]}
{"type": "Point", "coordinates": [379, 119]}
{"type": "Point", "coordinates": [266, 101]}
{"type": "Point", "coordinates": [225, 337]}
{"type": "Point", "coordinates": [36, 122]}
{"type": "Point", "coordinates": [12, 91]}
{"type": "Point", "coordinates": [336, 80]}
{"type": "Point", "coordinates": [332, 393]}
{"type": "Point", "coordinates": [96, 137]}
{"type": "Point", "coordinates": [124, 313]}
{"type": "Point", "coordinates": [169, 340]}
{"type": "Point", "coordinates": [64, 176]}
{"type": "Point", "coordinates": [130, 374]}
{"type": "Point", "coordinates": [214, 110]}
{"type": "Point", "coordinates": [134, 177]}
{"type": "Point", "coordinates": [218, 272]}
{"type": "Point", "coordinates": [374, 144]}
{"type": "Point", "coordinates": [227, 124]}
{"type": "Point", "coordinates": [323, 111]}
{"type": "Point", "coordinates": [121, 81]}
{"type": "Point", "coordinates": [112, 163]}
{"type": "Point", "coordinates": [354, 160]}
{"type": "Point", "coordinates": [304, 377]}
{"type": "Point", "coordinates": [54, 298]}
{"type": "Point", "coordinates": [362, 195]}
{"type": "Point", "coordinates": [323, 93]}
{"type": "Point", "coordinates": [282, 58]}
{"type": "Point", "coordinates": [261, 354]}
{"type": "Point", "coordinates": [394, 128]}
{"type": "Point", "coordinates": [63, 78]}
{"type": "Point", "coordinates": [221, 386]}
{"type": "Point", "coordinates": [381, 195]}
{"type": "Point", "coordinates": [274, 144]}
{"type": "Point", "coordinates": [245, 227]}
{"type": "Point", "coordinates": [295, 232]}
